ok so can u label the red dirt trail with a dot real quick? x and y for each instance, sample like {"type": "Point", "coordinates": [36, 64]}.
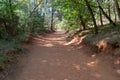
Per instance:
{"type": "Point", "coordinates": [48, 58]}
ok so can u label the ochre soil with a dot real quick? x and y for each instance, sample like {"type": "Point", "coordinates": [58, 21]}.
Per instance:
{"type": "Point", "coordinates": [50, 57]}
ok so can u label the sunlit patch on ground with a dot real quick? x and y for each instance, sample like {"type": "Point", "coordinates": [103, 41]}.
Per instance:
{"type": "Point", "coordinates": [80, 47]}
{"type": "Point", "coordinates": [118, 71]}
{"type": "Point", "coordinates": [76, 40]}
{"type": "Point", "coordinates": [93, 56]}
{"type": "Point", "coordinates": [54, 39]}
{"type": "Point", "coordinates": [44, 61]}
{"type": "Point", "coordinates": [97, 75]}
{"type": "Point", "coordinates": [66, 79]}
{"type": "Point", "coordinates": [48, 45]}
{"type": "Point", "coordinates": [58, 62]}
{"type": "Point", "coordinates": [52, 79]}
{"type": "Point", "coordinates": [50, 59]}
{"type": "Point", "coordinates": [71, 42]}
{"type": "Point", "coordinates": [92, 63]}
{"type": "Point", "coordinates": [38, 39]}
{"type": "Point", "coordinates": [76, 66]}
{"type": "Point", "coordinates": [49, 41]}
{"type": "Point", "coordinates": [117, 61]}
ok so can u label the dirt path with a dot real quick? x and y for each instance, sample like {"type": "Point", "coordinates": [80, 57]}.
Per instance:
{"type": "Point", "coordinates": [50, 59]}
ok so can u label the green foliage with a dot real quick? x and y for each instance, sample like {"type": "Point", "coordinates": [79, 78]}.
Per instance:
{"type": "Point", "coordinates": [88, 38]}
{"type": "Point", "coordinates": [10, 46]}
{"type": "Point", "coordinates": [109, 28]}
{"type": "Point", "coordinates": [3, 57]}
{"type": "Point", "coordinates": [72, 10]}
{"type": "Point", "coordinates": [108, 38]}
{"type": "Point", "coordinates": [9, 49]}
{"type": "Point", "coordinates": [20, 18]}
{"type": "Point", "coordinates": [36, 23]}
{"type": "Point", "coordinates": [17, 21]}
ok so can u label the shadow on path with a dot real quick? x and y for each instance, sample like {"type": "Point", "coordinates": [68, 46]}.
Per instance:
{"type": "Point", "coordinates": [50, 59]}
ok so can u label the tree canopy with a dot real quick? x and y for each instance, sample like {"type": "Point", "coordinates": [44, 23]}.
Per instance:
{"type": "Point", "coordinates": [38, 15]}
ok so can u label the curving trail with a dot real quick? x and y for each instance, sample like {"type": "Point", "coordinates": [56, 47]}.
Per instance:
{"type": "Point", "coordinates": [50, 59]}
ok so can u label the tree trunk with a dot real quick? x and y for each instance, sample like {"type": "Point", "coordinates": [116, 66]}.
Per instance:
{"type": "Point", "coordinates": [11, 28]}
{"type": "Point", "coordinates": [117, 8]}
{"type": "Point", "coordinates": [92, 15]}
{"type": "Point", "coordinates": [109, 10]}
{"type": "Point", "coordinates": [11, 10]}
{"type": "Point", "coordinates": [110, 20]}
{"type": "Point", "coordinates": [101, 21]}
{"type": "Point", "coordinates": [115, 14]}
{"type": "Point", "coordinates": [3, 21]}
{"type": "Point", "coordinates": [82, 22]}
{"type": "Point", "coordinates": [52, 15]}
{"type": "Point", "coordinates": [81, 17]}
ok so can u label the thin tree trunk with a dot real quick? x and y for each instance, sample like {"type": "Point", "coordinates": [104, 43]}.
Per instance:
{"type": "Point", "coordinates": [81, 17]}
{"type": "Point", "coordinates": [101, 21]}
{"type": "Point", "coordinates": [109, 10]}
{"type": "Point", "coordinates": [11, 27]}
{"type": "Point", "coordinates": [92, 15]}
{"type": "Point", "coordinates": [34, 9]}
{"type": "Point", "coordinates": [52, 15]}
{"type": "Point", "coordinates": [115, 17]}
{"type": "Point", "coordinates": [11, 10]}
{"type": "Point", "coordinates": [110, 20]}
{"type": "Point", "coordinates": [3, 21]}
{"type": "Point", "coordinates": [117, 8]}
{"type": "Point", "coordinates": [82, 22]}
{"type": "Point", "coordinates": [115, 14]}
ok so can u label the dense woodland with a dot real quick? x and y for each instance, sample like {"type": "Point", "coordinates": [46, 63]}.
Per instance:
{"type": "Point", "coordinates": [19, 19]}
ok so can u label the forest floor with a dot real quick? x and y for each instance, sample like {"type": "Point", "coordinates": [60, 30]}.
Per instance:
{"type": "Point", "coordinates": [49, 58]}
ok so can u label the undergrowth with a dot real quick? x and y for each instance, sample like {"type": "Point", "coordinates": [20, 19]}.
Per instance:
{"type": "Point", "coordinates": [9, 49]}
{"type": "Point", "coordinates": [107, 33]}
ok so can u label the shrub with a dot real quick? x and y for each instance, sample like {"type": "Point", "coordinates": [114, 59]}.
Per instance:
{"type": "Point", "coordinates": [3, 59]}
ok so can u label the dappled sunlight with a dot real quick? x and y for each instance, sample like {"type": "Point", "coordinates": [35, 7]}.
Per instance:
{"type": "Point", "coordinates": [97, 75]}
{"type": "Point", "coordinates": [55, 79]}
{"type": "Point", "coordinates": [58, 62]}
{"type": "Point", "coordinates": [39, 39]}
{"type": "Point", "coordinates": [118, 71]}
{"type": "Point", "coordinates": [44, 61]}
{"type": "Point", "coordinates": [66, 79]}
{"type": "Point", "coordinates": [57, 59]}
{"type": "Point", "coordinates": [69, 49]}
{"type": "Point", "coordinates": [77, 66]}
{"type": "Point", "coordinates": [48, 45]}
{"type": "Point", "coordinates": [76, 40]}
{"type": "Point", "coordinates": [80, 40]}
{"type": "Point", "coordinates": [117, 61]}
{"type": "Point", "coordinates": [52, 79]}
{"type": "Point", "coordinates": [72, 41]}
{"type": "Point", "coordinates": [92, 63]}
{"type": "Point", "coordinates": [93, 55]}
{"type": "Point", "coordinates": [59, 39]}
{"type": "Point", "coordinates": [53, 38]}
{"type": "Point", "coordinates": [56, 39]}
{"type": "Point", "coordinates": [50, 41]}
{"type": "Point", "coordinates": [81, 46]}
